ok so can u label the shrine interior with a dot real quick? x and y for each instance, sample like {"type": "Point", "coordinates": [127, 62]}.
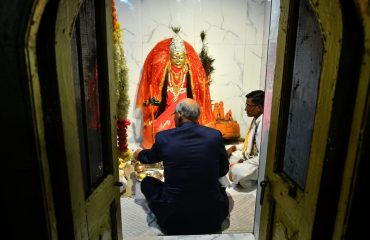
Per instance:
{"type": "Point", "coordinates": [239, 35]}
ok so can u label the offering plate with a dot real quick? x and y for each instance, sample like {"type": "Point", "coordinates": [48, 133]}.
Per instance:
{"type": "Point", "coordinates": [149, 172]}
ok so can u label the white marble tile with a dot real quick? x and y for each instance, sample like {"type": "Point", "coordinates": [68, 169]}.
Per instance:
{"type": "Point", "coordinates": [255, 21]}
{"type": "Point", "coordinates": [252, 66]}
{"type": "Point", "coordinates": [158, 17]}
{"type": "Point", "coordinates": [227, 79]}
{"type": "Point", "coordinates": [134, 61]}
{"type": "Point", "coordinates": [130, 17]}
{"type": "Point", "coordinates": [222, 21]}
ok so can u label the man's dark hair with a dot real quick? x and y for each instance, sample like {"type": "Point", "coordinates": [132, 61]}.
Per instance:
{"type": "Point", "coordinates": [257, 96]}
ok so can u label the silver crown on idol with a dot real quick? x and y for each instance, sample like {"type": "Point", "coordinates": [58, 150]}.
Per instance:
{"type": "Point", "coordinates": [177, 44]}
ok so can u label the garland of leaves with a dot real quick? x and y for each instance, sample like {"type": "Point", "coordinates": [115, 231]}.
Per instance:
{"type": "Point", "coordinates": [176, 30]}
{"type": "Point", "coordinates": [121, 75]}
{"type": "Point", "coordinates": [207, 61]}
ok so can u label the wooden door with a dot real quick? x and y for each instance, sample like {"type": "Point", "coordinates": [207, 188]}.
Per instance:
{"type": "Point", "coordinates": [308, 58]}
{"type": "Point", "coordinates": [84, 59]}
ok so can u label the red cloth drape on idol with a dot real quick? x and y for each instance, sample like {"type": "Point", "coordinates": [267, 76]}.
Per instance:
{"type": "Point", "coordinates": [163, 84]}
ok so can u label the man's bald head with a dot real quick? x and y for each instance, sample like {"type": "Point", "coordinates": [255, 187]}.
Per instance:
{"type": "Point", "coordinates": [189, 109]}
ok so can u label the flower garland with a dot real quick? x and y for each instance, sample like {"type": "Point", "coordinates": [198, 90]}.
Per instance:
{"type": "Point", "coordinates": [121, 75]}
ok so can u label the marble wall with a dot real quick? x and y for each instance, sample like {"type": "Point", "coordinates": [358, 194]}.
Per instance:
{"type": "Point", "coordinates": [237, 38]}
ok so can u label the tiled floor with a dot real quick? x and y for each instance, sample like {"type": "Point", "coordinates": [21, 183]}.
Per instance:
{"type": "Point", "coordinates": [229, 236]}
{"type": "Point", "coordinates": [139, 222]}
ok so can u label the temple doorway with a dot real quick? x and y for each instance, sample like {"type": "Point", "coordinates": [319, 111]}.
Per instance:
{"type": "Point", "coordinates": [241, 36]}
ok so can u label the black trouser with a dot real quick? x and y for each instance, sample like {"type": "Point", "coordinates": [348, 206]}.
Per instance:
{"type": "Point", "coordinates": [189, 217]}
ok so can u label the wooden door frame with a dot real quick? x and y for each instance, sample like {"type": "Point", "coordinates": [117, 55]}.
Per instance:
{"type": "Point", "coordinates": [331, 32]}
{"type": "Point", "coordinates": [346, 97]}
{"type": "Point", "coordinates": [31, 61]}
{"type": "Point", "coordinates": [343, 139]}
{"type": "Point", "coordinates": [85, 210]}
{"type": "Point", "coordinates": [48, 45]}
{"type": "Point", "coordinates": [351, 204]}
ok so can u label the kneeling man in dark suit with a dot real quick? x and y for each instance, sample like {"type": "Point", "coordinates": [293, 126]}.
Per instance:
{"type": "Point", "coordinates": [191, 199]}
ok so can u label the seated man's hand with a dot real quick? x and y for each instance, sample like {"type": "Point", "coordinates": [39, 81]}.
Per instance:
{"type": "Point", "coordinates": [231, 166]}
{"type": "Point", "coordinates": [230, 150]}
{"type": "Point", "coordinates": [136, 155]}
{"type": "Point", "coordinates": [230, 174]}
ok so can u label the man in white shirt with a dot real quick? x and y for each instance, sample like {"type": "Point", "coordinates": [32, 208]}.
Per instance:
{"type": "Point", "coordinates": [244, 158]}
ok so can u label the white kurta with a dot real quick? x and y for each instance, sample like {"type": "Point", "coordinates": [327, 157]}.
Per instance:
{"type": "Point", "coordinates": [246, 173]}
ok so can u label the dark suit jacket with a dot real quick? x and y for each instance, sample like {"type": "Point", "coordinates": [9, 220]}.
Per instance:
{"type": "Point", "coordinates": [194, 157]}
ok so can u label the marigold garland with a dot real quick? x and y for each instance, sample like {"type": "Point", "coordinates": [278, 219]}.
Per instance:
{"type": "Point", "coordinates": [121, 75]}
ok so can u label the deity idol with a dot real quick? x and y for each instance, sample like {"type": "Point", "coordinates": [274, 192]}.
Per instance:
{"type": "Point", "coordinates": [172, 71]}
